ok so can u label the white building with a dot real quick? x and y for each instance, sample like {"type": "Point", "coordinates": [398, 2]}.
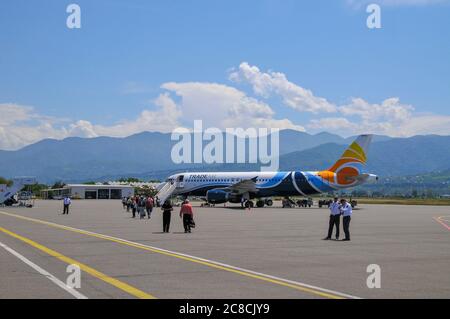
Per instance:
{"type": "Point", "coordinates": [83, 191]}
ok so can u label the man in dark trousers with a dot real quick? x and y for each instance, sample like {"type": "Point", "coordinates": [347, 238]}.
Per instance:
{"type": "Point", "coordinates": [149, 206]}
{"type": "Point", "coordinates": [335, 218]}
{"type": "Point", "coordinates": [167, 209]}
{"type": "Point", "coordinates": [346, 210]}
{"type": "Point", "coordinates": [141, 207]}
{"type": "Point", "coordinates": [66, 202]}
{"type": "Point", "coordinates": [187, 214]}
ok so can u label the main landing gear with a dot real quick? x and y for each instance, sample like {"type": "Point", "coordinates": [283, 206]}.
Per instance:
{"type": "Point", "coordinates": [249, 204]}
{"type": "Point", "coordinates": [260, 202]}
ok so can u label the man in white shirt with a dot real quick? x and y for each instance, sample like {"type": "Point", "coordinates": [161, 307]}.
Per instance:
{"type": "Point", "coordinates": [335, 218]}
{"type": "Point", "coordinates": [346, 210]}
{"type": "Point", "coordinates": [67, 203]}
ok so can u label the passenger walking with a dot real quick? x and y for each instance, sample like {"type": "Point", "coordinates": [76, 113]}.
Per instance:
{"type": "Point", "coordinates": [149, 206]}
{"type": "Point", "coordinates": [141, 207]}
{"type": "Point", "coordinates": [129, 202]}
{"type": "Point", "coordinates": [66, 204]}
{"type": "Point", "coordinates": [134, 206]}
{"type": "Point", "coordinates": [187, 214]}
{"type": "Point", "coordinates": [335, 218]}
{"type": "Point", "coordinates": [346, 210]}
{"type": "Point", "coordinates": [167, 211]}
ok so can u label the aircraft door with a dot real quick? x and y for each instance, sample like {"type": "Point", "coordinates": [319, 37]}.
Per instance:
{"type": "Point", "coordinates": [180, 181]}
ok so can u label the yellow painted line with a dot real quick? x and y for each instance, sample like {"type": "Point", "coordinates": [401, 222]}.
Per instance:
{"type": "Point", "coordinates": [294, 285]}
{"type": "Point", "coordinates": [97, 274]}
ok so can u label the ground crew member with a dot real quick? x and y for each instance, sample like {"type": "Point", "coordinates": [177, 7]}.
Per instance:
{"type": "Point", "coordinates": [346, 210]}
{"type": "Point", "coordinates": [66, 203]}
{"type": "Point", "coordinates": [187, 214]}
{"type": "Point", "coordinates": [335, 218]}
{"type": "Point", "coordinates": [167, 210]}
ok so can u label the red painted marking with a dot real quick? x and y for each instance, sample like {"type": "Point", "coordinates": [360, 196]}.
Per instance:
{"type": "Point", "coordinates": [438, 219]}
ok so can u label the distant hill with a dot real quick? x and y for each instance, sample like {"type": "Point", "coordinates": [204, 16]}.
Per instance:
{"type": "Point", "coordinates": [78, 159]}
{"type": "Point", "coordinates": [147, 155]}
{"type": "Point", "coordinates": [393, 157]}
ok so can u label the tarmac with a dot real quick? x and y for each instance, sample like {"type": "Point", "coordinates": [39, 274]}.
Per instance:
{"type": "Point", "coordinates": [232, 253]}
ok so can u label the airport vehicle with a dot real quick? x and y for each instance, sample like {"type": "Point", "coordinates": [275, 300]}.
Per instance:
{"type": "Point", "coordinates": [325, 202]}
{"type": "Point", "coordinates": [7, 192]}
{"type": "Point", "coordinates": [287, 203]}
{"type": "Point", "coordinates": [305, 202]}
{"type": "Point", "coordinates": [243, 187]}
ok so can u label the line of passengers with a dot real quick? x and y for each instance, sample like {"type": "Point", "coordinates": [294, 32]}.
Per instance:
{"type": "Point", "coordinates": [142, 206]}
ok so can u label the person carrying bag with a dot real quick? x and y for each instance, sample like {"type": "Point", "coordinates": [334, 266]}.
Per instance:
{"type": "Point", "coordinates": [186, 212]}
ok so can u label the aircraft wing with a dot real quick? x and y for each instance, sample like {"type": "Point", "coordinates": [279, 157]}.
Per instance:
{"type": "Point", "coordinates": [244, 186]}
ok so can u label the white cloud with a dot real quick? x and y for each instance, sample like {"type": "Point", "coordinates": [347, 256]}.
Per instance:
{"type": "Point", "coordinates": [422, 124]}
{"type": "Point", "coordinates": [276, 83]}
{"type": "Point", "coordinates": [165, 119]}
{"type": "Point", "coordinates": [388, 118]}
{"type": "Point", "coordinates": [22, 125]}
{"type": "Point", "coordinates": [223, 106]}
{"type": "Point", "coordinates": [332, 124]}
{"type": "Point", "coordinates": [390, 109]}
{"type": "Point", "coordinates": [13, 112]}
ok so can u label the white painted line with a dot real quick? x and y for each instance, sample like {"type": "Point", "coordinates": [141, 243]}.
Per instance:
{"type": "Point", "coordinates": [136, 244]}
{"type": "Point", "coordinates": [45, 273]}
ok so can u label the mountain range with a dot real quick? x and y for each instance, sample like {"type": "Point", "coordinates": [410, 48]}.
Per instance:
{"type": "Point", "coordinates": [148, 155]}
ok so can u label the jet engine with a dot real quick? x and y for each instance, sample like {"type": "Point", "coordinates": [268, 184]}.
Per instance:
{"type": "Point", "coordinates": [217, 196]}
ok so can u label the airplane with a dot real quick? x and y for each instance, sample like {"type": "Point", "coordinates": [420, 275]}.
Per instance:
{"type": "Point", "coordinates": [242, 187]}
{"type": "Point", "coordinates": [7, 192]}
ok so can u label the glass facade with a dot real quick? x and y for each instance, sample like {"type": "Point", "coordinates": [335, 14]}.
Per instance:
{"type": "Point", "coordinates": [103, 193]}
{"type": "Point", "coordinates": [116, 193]}
{"type": "Point", "coordinates": [90, 194]}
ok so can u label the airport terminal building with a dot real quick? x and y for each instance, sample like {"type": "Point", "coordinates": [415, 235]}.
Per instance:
{"type": "Point", "coordinates": [83, 191]}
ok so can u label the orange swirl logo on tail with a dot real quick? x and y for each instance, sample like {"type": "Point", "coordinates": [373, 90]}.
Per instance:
{"type": "Point", "coordinates": [343, 170]}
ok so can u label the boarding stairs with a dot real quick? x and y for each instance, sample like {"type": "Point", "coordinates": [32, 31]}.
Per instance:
{"type": "Point", "coordinates": [7, 192]}
{"type": "Point", "coordinates": [166, 191]}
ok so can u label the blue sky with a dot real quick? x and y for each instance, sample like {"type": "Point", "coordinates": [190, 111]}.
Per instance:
{"type": "Point", "coordinates": [154, 65]}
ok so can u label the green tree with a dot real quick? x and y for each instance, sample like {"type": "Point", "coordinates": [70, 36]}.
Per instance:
{"type": "Point", "coordinates": [35, 188]}
{"type": "Point", "coordinates": [145, 190]}
{"type": "Point", "coordinates": [5, 181]}
{"type": "Point", "coordinates": [129, 180]}
{"type": "Point", "coordinates": [58, 184]}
